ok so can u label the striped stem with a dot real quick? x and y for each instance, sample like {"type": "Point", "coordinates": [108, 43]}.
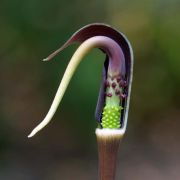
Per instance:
{"type": "Point", "coordinates": [108, 141]}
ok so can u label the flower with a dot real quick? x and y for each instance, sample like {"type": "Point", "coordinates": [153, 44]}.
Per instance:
{"type": "Point", "coordinates": [113, 101]}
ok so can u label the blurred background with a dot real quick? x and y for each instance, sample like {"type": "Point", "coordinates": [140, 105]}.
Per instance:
{"type": "Point", "coordinates": [66, 149]}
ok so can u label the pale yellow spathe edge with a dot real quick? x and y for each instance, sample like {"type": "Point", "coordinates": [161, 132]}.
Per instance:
{"type": "Point", "coordinates": [110, 132]}
{"type": "Point", "coordinates": [83, 49]}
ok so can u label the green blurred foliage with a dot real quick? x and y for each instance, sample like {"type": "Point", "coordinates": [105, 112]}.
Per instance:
{"type": "Point", "coordinates": [31, 30]}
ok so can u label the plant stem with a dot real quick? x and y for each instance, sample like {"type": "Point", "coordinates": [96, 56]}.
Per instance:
{"type": "Point", "coordinates": [108, 141]}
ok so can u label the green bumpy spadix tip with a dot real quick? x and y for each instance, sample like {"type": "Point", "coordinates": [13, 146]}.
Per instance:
{"type": "Point", "coordinates": [112, 110]}
{"type": "Point", "coordinates": [111, 117]}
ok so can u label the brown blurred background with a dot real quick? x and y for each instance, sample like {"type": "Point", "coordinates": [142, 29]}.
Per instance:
{"type": "Point", "coordinates": [66, 149]}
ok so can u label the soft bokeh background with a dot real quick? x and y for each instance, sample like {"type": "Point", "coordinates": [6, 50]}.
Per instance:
{"type": "Point", "coordinates": [66, 149]}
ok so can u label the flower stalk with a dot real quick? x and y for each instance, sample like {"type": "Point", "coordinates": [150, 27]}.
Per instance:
{"type": "Point", "coordinates": [113, 102]}
{"type": "Point", "coordinates": [108, 144]}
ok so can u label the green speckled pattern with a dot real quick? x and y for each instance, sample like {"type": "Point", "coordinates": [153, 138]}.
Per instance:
{"type": "Point", "coordinates": [111, 117]}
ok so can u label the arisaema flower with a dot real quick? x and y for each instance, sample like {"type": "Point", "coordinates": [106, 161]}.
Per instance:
{"type": "Point", "coordinates": [114, 96]}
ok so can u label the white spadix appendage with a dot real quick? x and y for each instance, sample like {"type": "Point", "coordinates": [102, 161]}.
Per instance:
{"type": "Point", "coordinates": [116, 66]}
